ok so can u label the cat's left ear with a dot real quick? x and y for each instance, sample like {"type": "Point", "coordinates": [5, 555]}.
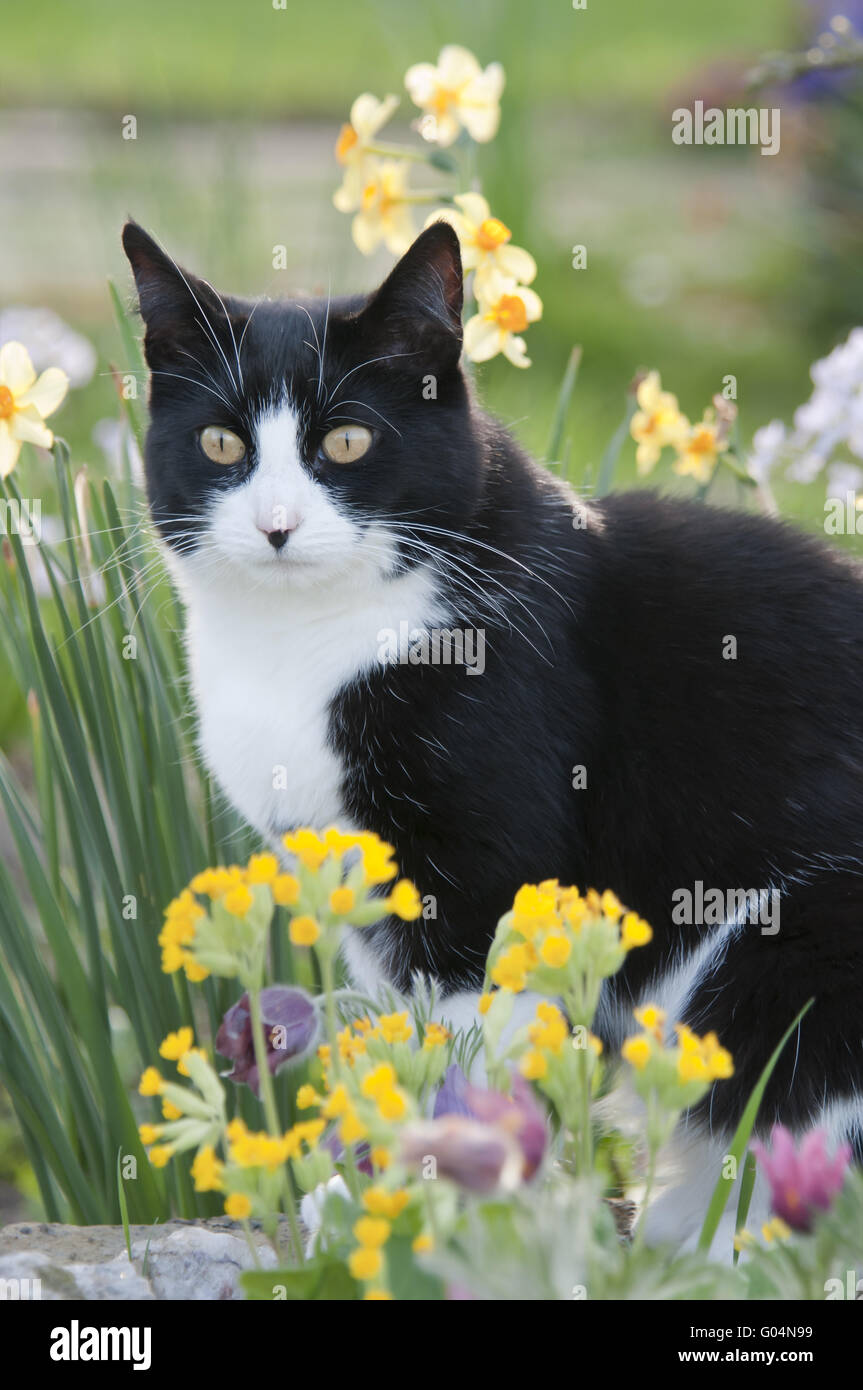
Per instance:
{"type": "Point", "coordinates": [413, 322]}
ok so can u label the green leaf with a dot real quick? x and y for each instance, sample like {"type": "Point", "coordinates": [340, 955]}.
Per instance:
{"type": "Point", "coordinates": [319, 1280]}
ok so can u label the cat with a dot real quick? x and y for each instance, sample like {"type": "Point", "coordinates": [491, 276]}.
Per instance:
{"type": "Point", "coordinates": [670, 694]}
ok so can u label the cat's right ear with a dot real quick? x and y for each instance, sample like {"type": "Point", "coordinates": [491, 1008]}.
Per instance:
{"type": "Point", "coordinates": [172, 300]}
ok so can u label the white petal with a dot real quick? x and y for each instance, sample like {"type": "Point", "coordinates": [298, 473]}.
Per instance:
{"type": "Point", "coordinates": [9, 450]}
{"type": "Point", "coordinates": [26, 425]}
{"type": "Point", "coordinates": [456, 65]}
{"type": "Point", "coordinates": [515, 350]}
{"type": "Point", "coordinates": [532, 303]}
{"type": "Point", "coordinates": [16, 369]}
{"type": "Point", "coordinates": [482, 339]}
{"type": "Point", "coordinates": [399, 230]}
{"type": "Point", "coordinates": [46, 393]}
{"type": "Point", "coordinates": [367, 231]}
{"type": "Point", "coordinates": [474, 206]}
{"type": "Point", "coordinates": [480, 122]}
{"type": "Point", "coordinates": [515, 261]}
{"type": "Point", "coordinates": [421, 83]}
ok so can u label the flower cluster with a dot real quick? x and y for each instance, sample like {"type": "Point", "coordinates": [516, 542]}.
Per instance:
{"type": "Point", "coordinates": [679, 1076]}
{"type": "Point", "coordinates": [460, 102]}
{"type": "Point", "coordinates": [25, 402]}
{"type": "Point", "coordinates": [658, 424]}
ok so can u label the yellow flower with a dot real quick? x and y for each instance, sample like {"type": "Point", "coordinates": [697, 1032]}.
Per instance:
{"type": "Point", "coordinates": [505, 310]}
{"type": "Point", "coordinates": [263, 868]}
{"type": "Point", "coordinates": [435, 1036]}
{"type": "Point", "coordinates": [637, 1051]}
{"type": "Point", "coordinates": [611, 905]}
{"type": "Point", "coordinates": [422, 1243]}
{"type": "Point", "coordinates": [377, 1296]}
{"type": "Point", "coordinates": [171, 1111]}
{"type": "Point", "coordinates": [456, 94]}
{"type": "Point", "coordinates": [195, 973]}
{"type": "Point", "coordinates": [379, 1202]}
{"type": "Point", "coordinates": [151, 1082]}
{"type": "Point", "coordinates": [286, 890]}
{"type": "Point", "coordinates": [148, 1134]}
{"type": "Point", "coordinates": [556, 950]}
{"type": "Point", "coordinates": [307, 1096]}
{"type": "Point", "coordinates": [381, 1157]}
{"type": "Point", "coordinates": [160, 1155]}
{"type": "Point", "coordinates": [691, 1066]}
{"type": "Point", "coordinates": [238, 1206]}
{"type": "Point", "coordinates": [405, 901]}
{"type": "Point", "coordinates": [699, 450]}
{"type": "Point", "coordinates": [342, 900]}
{"type": "Point", "coordinates": [304, 931]}
{"type": "Point", "coordinates": [485, 241]}
{"type": "Point", "coordinates": [191, 1052]}
{"type": "Point", "coordinates": [512, 968]}
{"type": "Point", "coordinates": [368, 115]}
{"type": "Point", "coordinates": [534, 1065]}
{"type": "Point", "coordinates": [381, 1079]}
{"type": "Point", "coordinates": [365, 1263]}
{"type": "Point", "coordinates": [391, 1104]}
{"type": "Point", "coordinates": [776, 1229]}
{"type": "Point", "coordinates": [376, 191]}
{"type": "Point", "coordinates": [351, 1128]}
{"type": "Point", "coordinates": [634, 931]}
{"type": "Point", "coordinates": [652, 1019]}
{"type": "Point", "coordinates": [550, 1029]}
{"type": "Point", "coordinates": [176, 1044]}
{"type": "Point", "coordinates": [534, 909]}
{"type": "Point", "coordinates": [395, 1028]}
{"type": "Point", "coordinates": [238, 901]}
{"type": "Point", "coordinates": [372, 1231]}
{"type": "Point", "coordinates": [308, 847]}
{"type": "Point", "coordinates": [25, 401]}
{"type": "Point", "coordinates": [207, 1171]}
{"type": "Point", "coordinates": [657, 422]}
{"type": "Point", "coordinates": [485, 1001]}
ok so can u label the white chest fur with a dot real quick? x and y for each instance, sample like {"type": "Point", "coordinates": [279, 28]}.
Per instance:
{"type": "Point", "coordinates": [265, 667]}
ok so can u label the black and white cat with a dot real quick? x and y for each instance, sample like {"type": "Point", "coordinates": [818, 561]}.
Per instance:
{"type": "Point", "coordinates": [672, 695]}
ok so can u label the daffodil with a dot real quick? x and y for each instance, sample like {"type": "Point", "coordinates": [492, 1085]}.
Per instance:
{"type": "Point", "coordinates": [25, 402]}
{"type": "Point", "coordinates": [377, 192]}
{"type": "Point", "coordinates": [485, 241]}
{"type": "Point", "coordinates": [699, 449]}
{"type": "Point", "coordinates": [368, 116]}
{"type": "Point", "coordinates": [505, 310]}
{"type": "Point", "coordinates": [456, 95]}
{"type": "Point", "coordinates": [656, 423]}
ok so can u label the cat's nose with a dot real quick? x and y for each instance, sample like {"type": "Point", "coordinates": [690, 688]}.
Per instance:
{"type": "Point", "coordinates": [277, 538]}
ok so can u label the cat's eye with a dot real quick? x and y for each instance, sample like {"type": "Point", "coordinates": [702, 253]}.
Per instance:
{"type": "Point", "coordinates": [222, 446]}
{"type": "Point", "coordinates": [347, 443]}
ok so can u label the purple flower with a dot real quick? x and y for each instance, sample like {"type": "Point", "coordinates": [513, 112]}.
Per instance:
{"type": "Point", "coordinates": [518, 1115]}
{"type": "Point", "coordinates": [290, 1028]}
{"type": "Point", "coordinates": [804, 1180]}
{"type": "Point", "coordinates": [480, 1158]}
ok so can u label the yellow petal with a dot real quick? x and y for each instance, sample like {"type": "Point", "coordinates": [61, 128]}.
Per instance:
{"type": "Point", "coordinates": [46, 393]}
{"type": "Point", "coordinates": [26, 425]}
{"type": "Point", "coordinates": [16, 369]}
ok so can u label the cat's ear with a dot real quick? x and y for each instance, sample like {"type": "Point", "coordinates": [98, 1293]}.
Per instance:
{"type": "Point", "coordinates": [174, 303]}
{"type": "Point", "coordinates": [413, 322]}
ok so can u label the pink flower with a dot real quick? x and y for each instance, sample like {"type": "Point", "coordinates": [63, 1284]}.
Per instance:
{"type": "Point", "coordinates": [803, 1180]}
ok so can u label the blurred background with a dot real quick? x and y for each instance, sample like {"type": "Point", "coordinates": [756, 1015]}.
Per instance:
{"type": "Point", "coordinates": [702, 262]}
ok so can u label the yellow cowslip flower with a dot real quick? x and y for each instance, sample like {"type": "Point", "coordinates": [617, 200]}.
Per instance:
{"type": "Point", "coordinates": [171, 1111]}
{"type": "Point", "coordinates": [691, 1066]}
{"type": "Point", "coordinates": [372, 1232]}
{"type": "Point", "coordinates": [391, 1104]}
{"type": "Point", "coordinates": [160, 1155]}
{"type": "Point", "coordinates": [337, 1103]}
{"type": "Point", "coordinates": [381, 1079]}
{"type": "Point", "coordinates": [368, 116]}
{"type": "Point", "coordinates": [207, 1171]}
{"type": "Point", "coordinates": [377, 855]}
{"type": "Point", "coordinates": [308, 847]}
{"type": "Point", "coordinates": [238, 1206]}
{"type": "Point", "coordinates": [195, 972]}
{"type": "Point", "coordinates": [533, 909]}
{"type": "Point", "coordinates": [381, 1157]}
{"type": "Point", "coordinates": [148, 1134]}
{"type": "Point", "coordinates": [238, 900]}
{"type": "Point", "coordinates": [351, 1128]}
{"type": "Point", "coordinates": [25, 402]}
{"type": "Point", "coordinates": [365, 1263]}
{"type": "Point", "coordinates": [422, 1243]}
{"type": "Point", "coordinates": [513, 966]}
{"type": "Point", "coordinates": [308, 1132]}
{"type": "Point", "coordinates": [377, 193]}
{"type": "Point", "coordinates": [550, 1029]}
{"type": "Point", "coordinates": [634, 931]}
{"type": "Point", "coordinates": [304, 931]}
{"type": "Point", "coordinates": [151, 1082]}
{"type": "Point", "coordinates": [744, 1240]}
{"type": "Point", "coordinates": [350, 1046]}
{"type": "Point", "coordinates": [176, 1044]}
{"type": "Point", "coordinates": [555, 950]}
{"type": "Point", "coordinates": [699, 450]}
{"type": "Point", "coordinates": [193, 1052]}
{"type": "Point", "coordinates": [307, 1096]}
{"type": "Point", "coordinates": [342, 901]}
{"type": "Point", "coordinates": [485, 1002]}
{"type": "Point", "coordinates": [485, 240]}
{"type": "Point", "coordinates": [505, 311]}
{"type": "Point", "coordinates": [285, 889]}
{"type": "Point", "coordinates": [262, 868]}
{"type": "Point", "coordinates": [435, 1036]}
{"type": "Point", "coordinates": [395, 1028]}
{"type": "Point", "coordinates": [405, 901]}
{"type": "Point", "coordinates": [377, 1296]}
{"type": "Point", "coordinates": [656, 424]}
{"type": "Point", "coordinates": [611, 905]}
{"type": "Point", "coordinates": [456, 94]}
{"type": "Point", "coordinates": [775, 1229]}
{"type": "Point", "coordinates": [637, 1051]}
{"type": "Point", "coordinates": [379, 1202]}
{"type": "Point", "coordinates": [534, 1065]}
{"type": "Point", "coordinates": [652, 1019]}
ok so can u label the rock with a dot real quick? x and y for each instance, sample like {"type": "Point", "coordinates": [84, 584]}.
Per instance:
{"type": "Point", "coordinates": [182, 1260]}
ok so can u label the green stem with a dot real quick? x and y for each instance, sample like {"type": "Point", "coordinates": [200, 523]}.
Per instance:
{"type": "Point", "coordinates": [268, 1096]}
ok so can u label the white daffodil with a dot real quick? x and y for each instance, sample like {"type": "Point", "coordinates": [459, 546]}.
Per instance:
{"type": "Point", "coordinates": [485, 241]}
{"type": "Point", "coordinates": [25, 401]}
{"type": "Point", "coordinates": [367, 117]}
{"type": "Point", "coordinates": [377, 192]}
{"type": "Point", "coordinates": [456, 94]}
{"type": "Point", "coordinates": [505, 310]}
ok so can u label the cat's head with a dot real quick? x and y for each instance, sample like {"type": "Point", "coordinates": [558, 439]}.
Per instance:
{"type": "Point", "coordinates": [294, 441]}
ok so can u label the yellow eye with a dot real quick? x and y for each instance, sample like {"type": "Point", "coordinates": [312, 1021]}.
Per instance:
{"type": "Point", "coordinates": [347, 443]}
{"type": "Point", "coordinates": [222, 446]}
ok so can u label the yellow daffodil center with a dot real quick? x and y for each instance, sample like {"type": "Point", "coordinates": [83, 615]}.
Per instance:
{"type": "Point", "coordinates": [347, 139]}
{"type": "Point", "coordinates": [703, 441]}
{"type": "Point", "coordinates": [492, 233]}
{"type": "Point", "coordinates": [7, 403]}
{"type": "Point", "coordinates": [509, 314]}
{"type": "Point", "coordinates": [443, 98]}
